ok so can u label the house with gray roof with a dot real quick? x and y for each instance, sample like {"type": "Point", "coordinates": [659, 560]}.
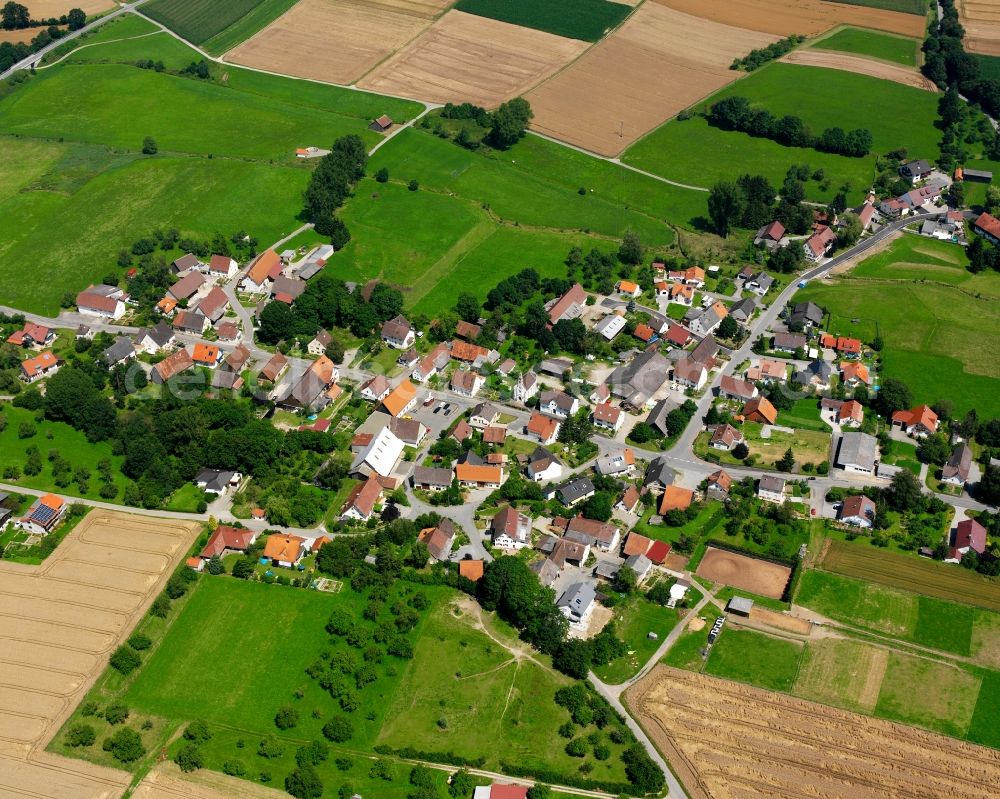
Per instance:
{"type": "Point", "coordinates": [119, 352]}
{"type": "Point", "coordinates": [572, 491]}
{"type": "Point", "coordinates": [636, 382]}
{"type": "Point", "coordinates": [577, 603]}
{"type": "Point", "coordinates": [858, 453]}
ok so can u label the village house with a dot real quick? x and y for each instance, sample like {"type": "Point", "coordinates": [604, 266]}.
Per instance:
{"type": "Point", "coordinates": [119, 352]}
{"type": "Point", "coordinates": [956, 470]}
{"type": "Point", "coordinates": [771, 489]}
{"type": "Point", "coordinates": [968, 535]}
{"type": "Point", "coordinates": [819, 244]}
{"type": "Point", "coordinates": [806, 314]}
{"type": "Point", "coordinates": [376, 389]}
{"type": "Point", "coordinates": [274, 368]}
{"type": "Point", "coordinates": [759, 283]}
{"type": "Point", "coordinates": [607, 417]}
{"type": "Point", "coordinates": [858, 453]}
{"type": "Point", "coordinates": [494, 435]}
{"type": "Point", "coordinates": [397, 333]}
{"type": "Point", "coordinates": [854, 373]}
{"type": "Point", "coordinates": [43, 515]}
{"type": "Point", "coordinates": [187, 286]}
{"type": "Point", "coordinates": [846, 413]}
{"type": "Point", "coordinates": [675, 498]}
{"type": "Point", "coordinates": [577, 605]}
{"type": "Point", "coordinates": [636, 382]}
{"type": "Point", "coordinates": [543, 466]}
{"type": "Point", "coordinates": [469, 353]}
{"type": "Point", "coordinates": [431, 364]}
{"type": "Point", "coordinates": [284, 550]}
{"type": "Point", "coordinates": [788, 342]}
{"type": "Point", "coordinates": [171, 366]}
{"type": "Point", "coordinates": [857, 510]}
{"type": "Point", "coordinates": [768, 371]}
{"type": "Point", "coordinates": [226, 540]}
{"type": "Point", "coordinates": [725, 437]}
{"type": "Point", "coordinates": [361, 502]}
{"type": "Point", "coordinates": [629, 501]}
{"type": "Point", "coordinates": [319, 343]}
{"type": "Point", "coordinates": [32, 336]}
{"type": "Point", "coordinates": [154, 339]}
{"type": "Point", "coordinates": [484, 415]}
{"type": "Point", "coordinates": [690, 374]}
{"type": "Point", "coordinates": [733, 388]}
{"type": "Point", "coordinates": [627, 288]}
{"type": "Point", "coordinates": [610, 326]}
{"type": "Point", "coordinates": [217, 481]}
{"type": "Point", "coordinates": [599, 535]}
{"type": "Point", "coordinates": [559, 404]}
{"type": "Point", "coordinates": [439, 540]}
{"type": "Point", "coordinates": [681, 294]}
{"type": "Point", "coordinates": [207, 355]}
{"type": "Point", "coordinates": [915, 171]}
{"type": "Point", "coordinates": [431, 478]}
{"type": "Point", "coordinates": [107, 302]}
{"type": "Point", "coordinates": [760, 409]}
{"type": "Point", "coordinates": [166, 307]}
{"type": "Point", "coordinates": [544, 429]}
{"type": "Point", "coordinates": [987, 226]}
{"type": "Point", "coordinates": [617, 464]}
{"type": "Point", "coordinates": [692, 276]}
{"type": "Point", "coordinates": [569, 306]}
{"type": "Point", "coordinates": [659, 474]}
{"type": "Point", "coordinates": [188, 262]}
{"type": "Point", "coordinates": [571, 492]}
{"type": "Point", "coordinates": [511, 529]}
{"type": "Point", "coordinates": [222, 266]}
{"type": "Point", "coordinates": [43, 365]}
{"type": "Point", "coordinates": [287, 289]}
{"type": "Point", "coordinates": [476, 476]}
{"type": "Point", "coordinates": [718, 484]}
{"type": "Point", "coordinates": [817, 373]}
{"type": "Point", "coordinates": [380, 455]}
{"type": "Point", "coordinates": [461, 431]}
{"type": "Point", "coordinates": [193, 322]}
{"type": "Point", "coordinates": [467, 330]}
{"type": "Point", "coordinates": [743, 310]}
{"type": "Point", "coordinates": [918, 422]}
{"type": "Point", "coordinates": [408, 359]}
{"type": "Point", "coordinates": [771, 236]}
{"type": "Point", "coordinates": [466, 383]}
{"type": "Point", "coordinates": [262, 273]}
{"type": "Point", "coordinates": [709, 319]}
{"type": "Point", "coordinates": [677, 335]}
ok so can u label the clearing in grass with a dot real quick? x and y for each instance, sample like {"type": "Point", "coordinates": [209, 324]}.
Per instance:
{"type": "Point", "coordinates": [588, 20]}
{"type": "Point", "coordinates": [898, 49]}
{"type": "Point", "coordinates": [755, 658]}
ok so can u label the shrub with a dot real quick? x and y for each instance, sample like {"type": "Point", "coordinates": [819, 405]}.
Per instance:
{"type": "Point", "coordinates": [304, 783]}
{"type": "Point", "coordinates": [344, 763]}
{"type": "Point", "coordinates": [338, 729]}
{"type": "Point", "coordinates": [115, 713]}
{"type": "Point", "coordinates": [286, 718]}
{"type": "Point", "coordinates": [80, 735]}
{"type": "Point", "coordinates": [138, 641]}
{"type": "Point", "coordinates": [125, 660]}
{"type": "Point", "coordinates": [270, 748]}
{"type": "Point", "coordinates": [577, 748]}
{"type": "Point", "coordinates": [198, 732]}
{"type": "Point", "coordinates": [189, 758]}
{"type": "Point", "coordinates": [234, 768]}
{"type": "Point", "coordinates": [125, 745]}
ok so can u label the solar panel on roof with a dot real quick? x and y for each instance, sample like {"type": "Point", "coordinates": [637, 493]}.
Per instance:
{"type": "Point", "coordinates": [43, 514]}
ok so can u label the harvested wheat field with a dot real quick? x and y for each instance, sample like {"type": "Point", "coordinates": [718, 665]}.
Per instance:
{"type": "Point", "coordinates": [863, 66]}
{"type": "Point", "coordinates": [48, 776]}
{"type": "Point", "coordinates": [336, 41]}
{"type": "Point", "coordinates": [659, 62]}
{"type": "Point", "coordinates": [45, 9]}
{"type": "Point", "coordinates": [731, 741]}
{"type": "Point", "coordinates": [59, 622]}
{"type": "Point", "coordinates": [806, 17]}
{"type": "Point", "coordinates": [741, 571]}
{"type": "Point", "coordinates": [981, 20]}
{"type": "Point", "coordinates": [462, 57]}
{"type": "Point", "coordinates": [166, 781]}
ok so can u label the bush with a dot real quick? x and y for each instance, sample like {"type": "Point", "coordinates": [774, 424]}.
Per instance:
{"type": "Point", "coordinates": [115, 713]}
{"type": "Point", "coordinates": [286, 718]}
{"type": "Point", "coordinates": [304, 783]}
{"type": "Point", "coordinates": [189, 758]}
{"type": "Point", "coordinates": [139, 642]}
{"type": "Point", "coordinates": [234, 768]}
{"type": "Point", "coordinates": [270, 748]}
{"type": "Point", "coordinates": [312, 753]}
{"type": "Point", "coordinates": [125, 745]}
{"type": "Point", "coordinates": [125, 660]}
{"type": "Point", "coordinates": [577, 748]}
{"type": "Point", "coordinates": [338, 729]}
{"type": "Point", "coordinates": [413, 185]}
{"type": "Point", "coordinates": [198, 731]}
{"type": "Point", "coordinates": [80, 735]}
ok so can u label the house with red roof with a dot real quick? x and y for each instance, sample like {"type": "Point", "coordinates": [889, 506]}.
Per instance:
{"type": "Point", "coordinates": [43, 515]}
{"type": "Point", "coordinates": [45, 364]}
{"type": "Point", "coordinates": [917, 422]}
{"type": "Point", "coordinates": [967, 535]}
{"type": "Point", "coordinates": [987, 226]}
{"type": "Point", "coordinates": [819, 243]}
{"type": "Point", "coordinates": [32, 335]}
{"type": "Point", "coordinates": [227, 539]}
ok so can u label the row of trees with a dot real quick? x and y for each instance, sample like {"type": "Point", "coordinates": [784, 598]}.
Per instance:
{"type": "Point", "coordinates": [760, 56]}
{"type": "Point", "coordinates": [736, 113]}
{"type": "Point", "coordinates": [331, 183]}
{"type": "Point", "coordinates": [15, 16]}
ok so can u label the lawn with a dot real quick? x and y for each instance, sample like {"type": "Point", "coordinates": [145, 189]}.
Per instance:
{"type": "Point", "coordinates": [898, 116]}
{"type": "Point", "coordinates": [71, 445]}
{"type": "Point", "coordinates": [633, 622]}
{"type": "Point", "coordinates": [933, 336]}
{"type": "Point", "coordinates": [902, 453]}
{"type": "Point", "coordinates": [185, 499]}
{"type": "Point", "coordinates": [576, 19]}
{"type": "Point", "coordinates": [686, 651]}
{"type": "Point", "coordinates": [755, 658]}
{"type": "Point", "coordinates": [919, 691]}
{"type": "Point", "coordinates": [804, 415]}
{"type": "Point", "coordinates": [466, 691]}
{"type": "Point", "coordinates": [875, 44]}
{"type": "Point", "coordinates": [989, 66]}
{"type": "Point", "coordinates": [985, 725]}
{"type": "Point", "coordinates": [809, 446]}
{"type": "Point", "coordinates": [913, 257]}
{"type": "Point", "coordinates": [875, 607]}
{"type": "Point", "coordinates": [229, 21]}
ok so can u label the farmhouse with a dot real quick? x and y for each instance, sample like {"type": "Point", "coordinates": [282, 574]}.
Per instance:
{"type": "Point", "coordinates": [43, 515]}
{"type": "Point", "coordinates": [760, 409]}
{"type": "Point", "coordinates": [227, 539]}
{"type": "Point", "coordinates": [222, 266]}
{"type": "Point", "coordinates": [569, 306]}
{"type": "Point", "coordinates": [563, 550]}
{"type": "Point", "coordinates": [263, 271]}
{"type": "Point", "coordinates": [557, 367]}
{"type": "Point", "coordinates": [285, 550]}
{"type": "Point", "coordinates": [287, 289]}
{"type": "Point", "coordinates": [967, 535]}
{"type": "Point", "coordinates": [431, 478]}
{"type": "Point", "coordinates": [432, 363]}
{"type": "Point", "coordinates": [690, 374]}
{"type": "Point", "coordinates": [45, 364]}
{"type": "Point", "coordinates": [466, 383]}
{"type": "Point", "coordinates": [171, 366]}
{"type": "Point", "coordinates": [543, 466]}
{"type": "Point", "coordinates": [398, 333]}
{"type": "Point", "coordinates": [771, 489]}
{"type": "Point", "coordinates": [915, 171]}
{"type": "Point", "coordinates": [917, 422]}
{"type": "Point", "coordinates": [187, 262]}
{"type": "Point", "coordinates": [469, 353]}
{"type": "Point", "coordinates": [274, 368]}
{"type": "Point", "coordinates": [987, 226]}
{"type": "Point", "coordinates": [857, 510]}
{"type": "Point", "coordinates": [156, 338]}
{"type": "Point", "coordinates": [819, 243]}
{"type": "Point", "coordinates": [638, 381]}
{"type": "Point", "coordinates": [616, 464]}
{"type": "Point", "coordinates": [194, 322]}
{"type": "Point", "coordinates": [361, 502]}
{"type": "Point", "coordinates": [510, 529]}
{"type": "Point", "coordinates": [380, 455]}
{"type": "Point", "coordinates": [858, 453]}
{"type": "Point", "coordinates": [610, 326]}
{"type": "Point", "coordinates": [771, 236]}
{"type": "Point", "coordinates": [956, 470]}
{"type": "Point", "coordinates": [187, 286]}
{"type": "Point", "coordinates": [439, 539]}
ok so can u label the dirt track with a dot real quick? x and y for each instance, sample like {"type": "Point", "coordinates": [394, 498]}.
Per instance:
{"type": "Point", "coordinates": [981, 20]}
{"type": "Point", "coordinates": [336, 40]}
{"type": "Point", "coordinates": [658, 63]}
{"type": "Point", "coordinates": [731, 741]}
{"type": "Point", "coordinates": [863, 66]}
{"type": "Point", "coordinates": [740, 571]}
{"type": "Point", "coordinates": [462, 57]}
{"type": "Point", "coordinates": [807, 17]}
{"type": "Point", "coordinates": [59, 623]}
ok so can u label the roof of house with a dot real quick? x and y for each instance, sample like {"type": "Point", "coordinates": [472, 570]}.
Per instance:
{"type": "Point", "coordinates": [267, 267]}
{"type": "Point", "coordinates": [819, 241]}
{"type": "Point", "coordinates": [851, 410]}
{"type": "Point", "coordinates": [772, 370]}
{"type": "Point", "coordinates": [858, 449]}
{"type": "Point", "coordinates": [918, 167]}
{"type": "Point", "coordinates": [219, 263]}
{"type": "Point", "coordinates": [808, 311]}
{"type": "Point", "coordinates": [470, 473]}
{"type": "Point", "coordinates": [364, 496]}
{"type": "Point", "coordinates": [466, 351]}
{"type": "Point", "coordinates": [439, 539]}
{"type": "Point", "coordinates": [173, 364]}
{"type": "Point", "coordinates": [569, 303]}
{"type": "Point", "coordinates": [273, 367]}
{"type": "Point", "coordinates": [213, 305]}
{"type": "Point", "coordinates": [542, 426]}
{"type": "Point", "coordinates": [855, 370]}
{"type": "Point", "coordinates": [397, 328]}
{"type": "Point", "coordinates": [959, 463]}
{"type": "Point", "coordinates": [188, 261]}
{"type": "Point", "coordinates": [508, 521]}
{"type": "Point", "coordinates": [227, 537]}
{"type": "Point", "coordinates": [494, 434]}
{"type": "Point", "coordinates": [791, 341]}
{"type": "Point", "coordinates": [401, 396]}
{"type": "Point", "coordinates": [768, 482]}
{"type": "Point", "coordinates": [630, 498]}
{"type": "Point", "coordinates": [471, 569]}
{"type": "Point", "coordinates": [382, 453]}
{"type": "Point", "coordinates": [237, 359]}
{"type": "Point", "coordinates": [119, 351]}
{"type": "Point", "coordinates": [432, 475]}
{"type": "Point", "coordinates": [689, 371]}
{"type": "Point", "coordinates": [721, 479]}
{"type": "Point", "coordinates": [45, 510]}
{"type": "Point", "coordinates": [726, 434]}
{"type": "Point", "coordinates": [160, 334]}
{"type": "Point", "coordinates": [283, 547]}
{"type": "Point", "coordinates": [675, 498]}
{"type": "Point", "coordinates": [467, 330]}
{"type": "Point", "coordinates": [636, 544]}
{"type": "Point", "coordinates": [659, 471]}
{"type": "Point", "coordinates": [988, 224]}
{"type": "Point", "coordinates": [187, 286]}
{"type": "Point", "coordinates": [464, 380]}
{"type": "Point", "coordinates": [98, 302]}
{"type": "Point", "coordinates": [287, 287]}
{"type": "Point", "coordinates": [736, 387]}
{"type": "Point", "coordinates": [705, 352]}
{"type": "Point", "coordinates": [774, 231]}
{"type": "Point", "coordinates": [847, 344]}
{"type": "Point", "coordinates": [761, 406]}
{"type": "Point", "coordinates": [608, 413]}
{"type": "Point", "coordinates": [599, 531]}
{"type": "Point", "coordinates": [207, 354]}
{"type": "Point", "coordinates": [856, 505]}
{"type": "Point", "coordinates": [921, 415]}
{"type": "Point", "coordinates": [377, 386]}
{"type": "Point", "coordinates": [676, 334]}
{"type": "Point", "coordinates": [190, 321]}
{"type": "Point", "coordinates": [969, 533]}
{"type": "Point", "coordinates": [658, 551]}
{"type": "Point", "coordinates": [575, 489]}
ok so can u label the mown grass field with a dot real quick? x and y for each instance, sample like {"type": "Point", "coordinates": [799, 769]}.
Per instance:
{"type": "Point", "coordinates": [633, 623]}
{"type": "Point", "coordinates": [755, 658]}
{"type": "Point", "coordinates": [574, 19]}
{"type": "Point", "coordinates": [905, 6]}
{"type": "Point", "coordinates": [219, 24]}
{"type": "Point", "coordinates": [933, 334]}
{"type": "Point", "coordinates": [912, 257]}
{"type": "Point", "coordinates": [911, 573]}
{"type": "Point", "coordinates": [493, 703]}
{"type": "Point", "coordinates": [808, 446]}
{"type": "Point", "coordinates": [874, 44]}
{"type": "Point", "coordinates": [692, 152]}
{"type": "Point", "coordinates": [919, 691]}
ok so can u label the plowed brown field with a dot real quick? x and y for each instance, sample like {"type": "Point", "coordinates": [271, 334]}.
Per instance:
{"type": "Point", "coordinates": [806, 17]}
{"type": "Point", "coordinates": [730, 741]}
{"type": "Point", "coordinates": [336, 41]}
{"type": "Point", "coordinates": [464, 57]}
{"type": "Point", "coordinates": [981, 20]}
{"type": "Point", "coordinates": [59, 623]}
{"type": "Point", "coordinates": [863, 66]}
{"type": "Point", "coordinates": [659, 62]}
{"type": "Point", "coordinates": [741, 571]}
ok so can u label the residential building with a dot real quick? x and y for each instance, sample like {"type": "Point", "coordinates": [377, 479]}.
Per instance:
{"type": "Point", "coordinates": [692, 276]}
{"type": "Point", "coordinates": [759, 283]}
{"type": "Point", "coordinates": [439, 540]}
{"type": "Point", "coordinates": [226, 539]}
{"type": "Point", "coordinates": [43, 515]}
{"type": "Point", "coordinates": [319, 343]}
{"type": "Point", "coordinates": [467, 330]}
{"type": "Point", "coordinates": [675, 498]}
{"type": "Point", "coordinates": [636, 382]}
{"type": "Point", "coordinates": [99, 301]}
{"type": "Point", "coordinates": [627, 288]}
{"type": "Point", "coordinates": [188, 262]}
{"type": "Point", "coordinates": [616, 464]}
{"type": "Point", "coordinates": [171, 366]}
{"type": "Point", "coordinates": [156, 338]}
{"type": "Point", "coordinates": [640, 565]}
{"type": "Point", "coordinates": [917, 422]}
{"type": "Point", "coordinates": [545, 429]}
{"type": "Point", "coordinates": [956, 470]}
{"type": "Point", "coordinates": [819, 243]}
{"type": "Point", "coordinates": [854, 373]}
{"type": "Point", "coordinates": [858, 453]}
{"type": "Point", "coordinates": [431, 478]}
{"type": "Point", "coordinates": [708, 319]}
{"type": "Point", "coordinates": [569, 306]}
{"type": "Point", "coordinates": [849, 347]}
{"type": "Point", "coordinates": [725, 437]}
{"type": "Point", "coordinates": [410, 431]}
{"type": "Point", "coordinates": [543, 466]}
{"type": "Point", "coordinates": [817, 373]}
{"type": "Point", "coordinates": [284, 550]}
{"type": "Point", "coordinates": [988, 226]}
{"type": "Point", "coordinates": [262, 273]}
{"type": "Point", "coordinates": [659, 474]}
{"type": "Point", "coordinates": [193, 322]}
{"type": "Point", "coordinates": [807, 314]}
{"type": "Point", "coordinates": [274, 368]}
{"type": "Point", "coordinates": [45, 364]}
{"type": "Point", "coordinates": [380, 455]}
{"type": "Point", "coordinates": [677, 335]}
{"type": "Point", "coordinates": [577, 604]}
{"type": "Point", "coordinates": [572, 492]}
{"type": "Point", "coordinates": [466, 383]}
{"type": "Point", "coordinates": [207, 355]}
{"type": "Point", "coordinates": [361, 502]}
{"type": "Point", "coordinates": [968, 535]}
{"type": "Point", "coordinates": [600, 394]}
{"type": "Point", "coordinates": [476, 476]}
{"type": "Point", "coordinates": [771, 236]}
{"type": "Point", "coordinates": [789, 342]}
{"type": "Point", "coordinates": [857, 510]}
{"type": "Point", "coordinates": [760, 409]}
{"type": "Point", "coordinates": [397, 333]}
{"type": "Point", "coordinates": [690, 374]}
{"type": "Point", "coordinates": [187, 286]}
{"type": "Point", "coordinates": [743, 310]}
{"type": "Point", "coordinates": [217, 481]}
{"type": "Point", "coordinates": [461, 431]}
{"type": "Point", "coordinates": [768, 371]}
{"type": "Point", "coordinates": [401, 400]}
{"type": "Point", "coordinates": [511, 529]}
{"type": "Point", "coordinates": [657, 417]}
{"type": "Point", "coordinates": [607, 417]}
{"type": "Point", "coordinates": [213, 305]}
{"type": "Point", "coordinates": [559, 404]}
{"type": "Point", "coordinates": [733, 388]}
{"type": "Point", "coordinates": [915, 171]}
{"type": "Point", "coordinates": [771, 489]}
{"type": "Point", "coordinates": [431, 364]}
{"type": "Point", "coordinates": [32, 335]}
{"type": "Point", "coordinates": [222, 266]}
{"type": "Point", "coordinates": [629, 501]}
{"type": "Point", "coordinates": [718, 485]}
{"type": "Point", "coordinates": [119, 352]}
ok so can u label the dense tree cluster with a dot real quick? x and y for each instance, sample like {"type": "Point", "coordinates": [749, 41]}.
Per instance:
{"type": "Point", "coordinates": [736, 113]}
{"type": "Point", "coordinates": [332, 181]}
{"type": "Point", "coordinates": [947, 64]}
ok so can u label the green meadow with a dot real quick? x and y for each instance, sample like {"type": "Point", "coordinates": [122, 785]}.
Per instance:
{"type": "Point", "coordinates": [575, 19]}
{"type": "Point", "coordinates": [690, 151]}
{"type": "Point", "coordinates": [755, 658]}
{"type": "Point", "coordinates": [874, 44]}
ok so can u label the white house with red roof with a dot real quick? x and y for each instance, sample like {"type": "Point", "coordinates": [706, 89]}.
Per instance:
{"type": "Point", "coordinates": [967, 535]}
{"type": "Point", "coordinates": [916, 422]}
{"type": "Point", "coordinates": [43, 515]}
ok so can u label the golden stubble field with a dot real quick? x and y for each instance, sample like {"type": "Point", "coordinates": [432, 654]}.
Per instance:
{"type": "Point", "coordinates": [656, 64]}
{"type": "Point", "coordinates": [730, 741]}
{"type": "Point", "coordinates": [863, 66]}
{"type": "Point", "coordinates": [44, 9]}
{"type": "Point", "coordinates": [981, 20]}
{"type": "Point", "coordinates": [336, 41]}
{"type": "Point", "coordinates": [59, 623]}
{"type": "Point", "coordinates": [462, 57]}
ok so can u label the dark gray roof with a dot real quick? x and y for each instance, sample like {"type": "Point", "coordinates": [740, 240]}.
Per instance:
{"type": "Point", "coordinates": [817, 368]}
{"type": "Point", "coordinates": [119, 351]}
{"type": "Point", "coordinates": [660, 472]}
{"type": "Point", "coordinates": [771, 483]}
{"type": "Point", "coordinates": [160, 334]}
{"type": "Point", "coordinates": [658, 416]}
{"type": "Point", "coordinates": [214, 479]}
{"type": "Point", "coordinates": [744, 308]}
{"type": "Point", "coordinates": [643, 376]}
{"type": "Point", "coordinates": [574, 490]}
{"type": "Point", "coordinates": [807, 312]}
{"type": "Point", "coordinates": [432, 475]}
